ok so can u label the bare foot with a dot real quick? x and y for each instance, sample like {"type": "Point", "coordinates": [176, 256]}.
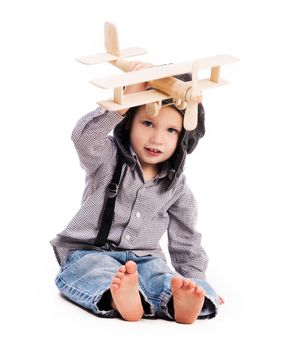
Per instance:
{"type": "Point", "coordinates": [125, 293]}
{"type": "Point", "coordinates": [188, 299]}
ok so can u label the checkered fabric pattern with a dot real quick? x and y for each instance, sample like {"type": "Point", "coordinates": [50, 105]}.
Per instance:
{"type": "Point", "coordinates": [144, 210]}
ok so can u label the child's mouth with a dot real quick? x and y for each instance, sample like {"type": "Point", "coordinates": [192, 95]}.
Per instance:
{"type": "Point", "coordinates": [153, 151]}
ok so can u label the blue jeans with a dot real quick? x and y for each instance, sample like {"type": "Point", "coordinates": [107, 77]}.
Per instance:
{"type": "Point", "coordinates": [86, 275]}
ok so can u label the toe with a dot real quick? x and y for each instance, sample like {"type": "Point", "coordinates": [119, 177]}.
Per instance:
{"type": "Point", "coordinates": [122, 268]}
{"type": "Point", "coordinates": [114, 286]}
{"type": "Point", "coordinates": [186, 282]}
{"type": "Point", "coordinates": [116, 280]}
{"type": "Point", "coordinates": [192, 285]}
{"type": "Point", "coordinates": [131, 267]}
{"type": "Point", "coordinates": [119, 274]}
{"type": "Point", "coordinates": [199, 291]}
{"type": "Point", "coordinates": [176, 282]}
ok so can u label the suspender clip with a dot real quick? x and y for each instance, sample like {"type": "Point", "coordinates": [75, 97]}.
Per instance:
{"type": "Point", "coordinates": [112, 190]}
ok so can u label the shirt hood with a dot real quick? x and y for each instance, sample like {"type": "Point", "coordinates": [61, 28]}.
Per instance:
{"type": "Point", "coordinates": [187, 142]}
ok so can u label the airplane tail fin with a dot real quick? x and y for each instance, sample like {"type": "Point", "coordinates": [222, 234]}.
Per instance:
{"type": "Point", "coordinates": [113, 52]}
{"type": "Point", "coordinates": [111, 39]}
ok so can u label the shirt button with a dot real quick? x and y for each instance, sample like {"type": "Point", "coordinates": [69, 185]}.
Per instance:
{"type": "Point", "coordinates": [138, 215]}
{"type": "Point", "coordinates": [127, 237]}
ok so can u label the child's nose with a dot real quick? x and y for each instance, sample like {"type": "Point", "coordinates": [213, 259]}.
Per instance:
{"type": "Point", "coordinates": [157, 137]}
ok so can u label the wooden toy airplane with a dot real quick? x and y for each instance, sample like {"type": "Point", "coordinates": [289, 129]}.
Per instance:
{"type": "Point", "coordinates": [160, 79]}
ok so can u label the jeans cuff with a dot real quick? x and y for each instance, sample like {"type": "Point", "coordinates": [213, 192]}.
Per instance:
{"type": "Point", "coordinates": [209, 309]}
{"type": "Point", "coordinates": [149, 309]}
{"type": "Point", "coordinates": [166, 305]}
{"type": "Point", "coordinates": [103, 305]}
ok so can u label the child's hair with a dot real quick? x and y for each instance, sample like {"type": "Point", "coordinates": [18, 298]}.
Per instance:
{"type": "Point", "coordinates": [129, 116]}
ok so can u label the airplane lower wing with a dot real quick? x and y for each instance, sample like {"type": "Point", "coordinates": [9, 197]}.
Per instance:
{"type": "Point", "coordinates": [208, 84]}
{"type": "Point", "coordinates": [135, 99]}
{"type": "Point", "coordinates": [152, 95]}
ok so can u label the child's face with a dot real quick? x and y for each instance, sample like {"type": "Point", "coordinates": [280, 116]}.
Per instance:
{"type": "Point", "coordinates": [159, 132]}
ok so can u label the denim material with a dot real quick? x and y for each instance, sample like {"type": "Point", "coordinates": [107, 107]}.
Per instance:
{"type": "Point", "coordinates": [86, 274]}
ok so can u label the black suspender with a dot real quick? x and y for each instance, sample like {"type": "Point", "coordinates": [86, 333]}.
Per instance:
{"type": "Point", "coordinates": [108, 213]}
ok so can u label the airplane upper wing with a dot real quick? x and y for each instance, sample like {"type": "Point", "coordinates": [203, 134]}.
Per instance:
{"type": "Point", "coordinates": [159, 72]}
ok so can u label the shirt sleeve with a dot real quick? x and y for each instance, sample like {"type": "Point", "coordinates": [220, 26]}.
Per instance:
{"type": "Point", "coordinates": [90, 138]}
{"type": "Point", "coordinates": [184, 241]}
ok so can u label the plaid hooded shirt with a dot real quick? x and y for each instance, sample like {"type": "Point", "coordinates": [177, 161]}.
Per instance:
{"type": "Point", "coordinates": [144, 210]}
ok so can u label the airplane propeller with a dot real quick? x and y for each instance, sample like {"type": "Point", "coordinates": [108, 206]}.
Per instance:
{"type": "Point", "coordinates": [191, 113]}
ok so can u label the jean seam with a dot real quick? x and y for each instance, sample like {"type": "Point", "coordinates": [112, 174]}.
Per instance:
{"type": "Point", "coordinates": [94, 298]}
{"type": "Point", "coordinates": [164, 298]}
{"type": "Point", "coordinates": [149, 295]}
{"type": "Point", "coordinates": [145, 296]}
{"type": "Point", "coordinates": [73, 287]}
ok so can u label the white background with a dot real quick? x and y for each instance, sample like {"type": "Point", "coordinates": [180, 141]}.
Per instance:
{"type": "Point", "coordinates": [246, 172]}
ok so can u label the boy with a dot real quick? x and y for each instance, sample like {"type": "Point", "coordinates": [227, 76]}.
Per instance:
{"type": "Point", "coordinates": [126, 275]}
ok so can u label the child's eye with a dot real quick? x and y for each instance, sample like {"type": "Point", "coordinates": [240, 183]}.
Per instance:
{"type": "Point", "coordinates": [147, 123]}
{"type": "Point", "coordinates": [172, 130]}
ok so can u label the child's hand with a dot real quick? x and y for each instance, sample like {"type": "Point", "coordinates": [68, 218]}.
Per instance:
{"type": "Point", "coordinates": [221, 300]}
{"type": "Point", "coordinates": [134, 66]}
{"type": "Point", "coordinates": [130, 89]}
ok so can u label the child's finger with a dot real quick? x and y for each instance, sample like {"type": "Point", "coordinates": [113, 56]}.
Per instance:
{"type": "Point", "coordinates": [221, 300]}
{"type": "Point", "coordinates": [132, 65]}
{"type": "Point", "coordinates": [144, 65]}
{"type": "Point", "coordinates": [137, 65]}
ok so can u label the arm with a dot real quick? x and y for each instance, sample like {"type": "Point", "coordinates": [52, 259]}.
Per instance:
{"type": "Point", "coordinates": [184, 241]}
{"type": "Point", "coordinates": [90, 138]}
{"type": "Point", "coordinates": [90, 133]}
{"type": "Point", "coordinates": [134, 66]}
